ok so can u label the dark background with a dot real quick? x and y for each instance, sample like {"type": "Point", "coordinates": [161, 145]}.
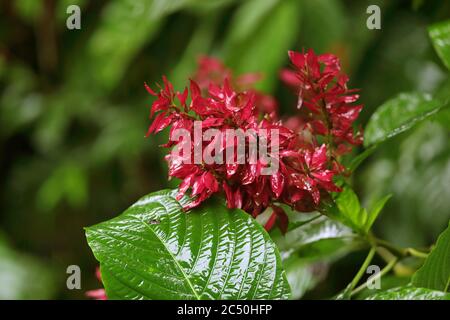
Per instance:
{"type": "Point", "coordinates": [73, 114]}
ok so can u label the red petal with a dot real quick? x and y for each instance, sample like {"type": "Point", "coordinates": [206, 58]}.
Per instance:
{"type": "Point", "coordinates": [195, 90]}
{"type": "Point", "coordinates": [283, 220]}
{"type": "Point", "coordinates": [149, 90]}
{"type": "Point", "coordinates": [297, 59]}
{"type": "Point", "coordinates": [319, 157]}
{"type": "Point", "coordinates": [325, 175]}
{"type": "Point", "coordinates": [277, 183]}
{"type": "Point", "coordinates": [269, 224]}
{"type": "Point", "coordinates": [182, 96]}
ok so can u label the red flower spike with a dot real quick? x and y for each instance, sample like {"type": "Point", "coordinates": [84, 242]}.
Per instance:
{"type": "Point", "coordinates": [322, 88]}
{"type": "Point", "coordinates": [305, 168]}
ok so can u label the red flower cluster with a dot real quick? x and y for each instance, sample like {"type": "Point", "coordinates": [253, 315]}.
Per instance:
{"type": "Point", "coordinates": [211, 70]}
{"type": "Point", "coordinates": [322, 88]}
{"type": "Point", "coordinates": [307, 158]}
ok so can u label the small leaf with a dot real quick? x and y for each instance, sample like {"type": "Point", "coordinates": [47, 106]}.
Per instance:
{"type": "Point", "coordinates": [208, 253]}
{"type": "Point", "coordinates": [440, 35]}
{"type": "Point", "coordinates": [373, 214]}
{"type": "Point", "coordinates": [350, 209]}
{"type": "Point", "coordinates": [357, 160]}
{"type": "Point", "coordinates": [400, 114]}
{"type": "Point", "coordinates": [435, 272]}
{"type": "Point", "coordinates": [409, 293]}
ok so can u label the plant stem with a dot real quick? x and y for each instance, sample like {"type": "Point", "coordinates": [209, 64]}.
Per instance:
{"type": "Point", "coordinates": [362, 269]}
{"type": "Point", "coordinates": [417, 253]}
{"type": "Point", "coordinates": [399, 268]}
{"type": "Point", "coordinates": [385, 270]}
{"type": "Point", "coordinates": [400, 252]}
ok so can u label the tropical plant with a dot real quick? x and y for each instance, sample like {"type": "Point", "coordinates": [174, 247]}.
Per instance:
{"type": "Point", "coordinates": [205, 240]}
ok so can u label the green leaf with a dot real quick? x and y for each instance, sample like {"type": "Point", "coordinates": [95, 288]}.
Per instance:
{"type": "Point", "coordinates": [409, 293]}
{"type": "Point", "coordinates": [347, 209]}
{"type": "Point", "coordinates": [357, 160]}
{"type": "Point", "coordinates": [373, 214]}
{"type": "Point", "coordinates": [440, 35]}
{"type": "Point", "coordinates": [389, 281]}
{"type": "Point", "coordinates": [348, 204]}
{"type": "Point", "coordinates": [303, 275]}
{"type": "Point", "coordinates": [320, 238]}
{"type": "Point", "coordinates": [400, 114]}
{"type": "Point", "coordinates": [154, 250]}
{"type": "Point", "coordinates": [309, 247]}
{"type": "Point", "coordinates": [435, 272]}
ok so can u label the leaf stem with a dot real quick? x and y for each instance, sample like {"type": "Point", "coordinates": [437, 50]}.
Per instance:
{"type": "Point", "coordinates": [416, 253]}
{"type": "Point", "coordinates": [362, 269]}
{"type": "Point", "coordinates": [385, 270]}
{"type": "Point", "coordinates": [400, 252]}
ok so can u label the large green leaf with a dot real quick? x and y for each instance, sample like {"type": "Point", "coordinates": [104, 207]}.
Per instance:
{"type": "Point", "coordinates": [400, 114]}
{"type": "Point", "coordinates": [440, 35]}
{"type": "Point", "coordinates": [154, 250]}
{"type": "Point", "coordinates": [409, 293]}
{"type": "Point", "coordinates": [435, 272]}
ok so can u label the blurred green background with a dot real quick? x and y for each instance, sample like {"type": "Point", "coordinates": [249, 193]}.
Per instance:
{"type": "Point", "coordinates": [73, 114]}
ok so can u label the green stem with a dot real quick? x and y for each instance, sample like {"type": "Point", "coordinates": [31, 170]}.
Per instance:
{"type": "Point", "coordinates": [362, 270]}
{"type": "Point", "coordinates": [400, 252]}
{"type": "Point", "coordinates": [385, 270]}
{"type": "Point", "coordinates": [416, 253]}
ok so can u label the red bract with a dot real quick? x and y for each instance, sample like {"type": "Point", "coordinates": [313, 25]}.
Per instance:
{"type": "Point", "coordinates": [213, 71]}
{"type": "Point", "coordinates": [324, 101]}
{"type": "Point", "coordinates": [306, 162]}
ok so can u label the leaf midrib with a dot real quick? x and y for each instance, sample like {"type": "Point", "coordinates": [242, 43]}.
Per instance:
{"type": "Point", "coordinates": [170, 253]}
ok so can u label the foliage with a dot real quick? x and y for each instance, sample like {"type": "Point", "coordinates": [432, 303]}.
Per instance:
{"type": "Point", "coordinates": [73, 116]}
{"type": "Point", "coordinates": [156, 251]}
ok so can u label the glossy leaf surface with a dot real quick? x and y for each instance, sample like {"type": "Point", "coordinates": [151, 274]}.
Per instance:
{"type": "Point", "coordinates": [400, 114]}
{"type": "Point", "coordinates": [154, 250]}
{"type": "Point", "coordinates": [409, 293]}
{"type": "Point", "coordinates": [440, 35]}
